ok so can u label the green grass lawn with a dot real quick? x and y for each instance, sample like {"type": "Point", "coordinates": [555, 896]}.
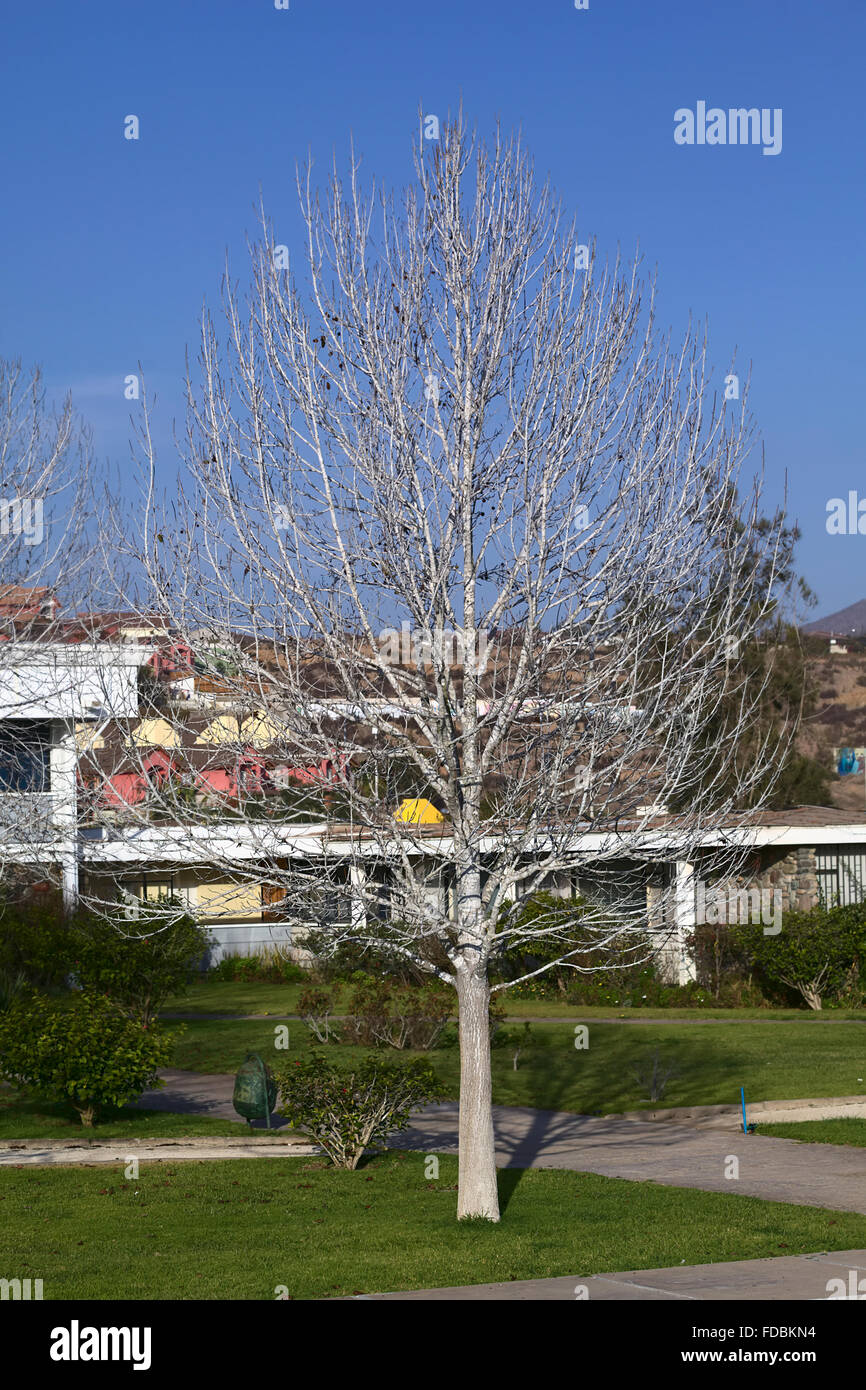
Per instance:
{"type": "Point", "coordinates": [790, 1061]}
{"type": "Point", "coordinates": [24, 1117]}
{"type": "Point", "coordinates": [241, 1229]}
{"type": "Point", "coordinates": [229, 997]}
{"type": "Point", "coordinates": [851, 1131]}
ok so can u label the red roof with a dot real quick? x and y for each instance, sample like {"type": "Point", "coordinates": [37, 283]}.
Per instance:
{"type": "Point", "coordinates": [19, 601]}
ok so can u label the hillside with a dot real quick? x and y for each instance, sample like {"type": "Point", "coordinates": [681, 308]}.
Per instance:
{"type": "Point", "coordinates": [840, 716]}
{"type": "Point", "coordinates": [848, 622]}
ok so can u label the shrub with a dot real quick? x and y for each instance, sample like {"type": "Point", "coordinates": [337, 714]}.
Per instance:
{"type": "Point", "coordinates": [12, 983]}
{"type": "Point", "coordinates": [137, 965]}
{"type": "Point", "coordinates": [570, 944]}
{"type": "Point", "coordinates": [818, 954]}
{"type": "Point", "coordinates": [315, 1007]}
{"type": "Point", "coordinates": [346, 1111]}
{"type": "Point", "coordinates": [388, 1014]}
{"type": "Point", "coordinates": [377, 953]}
{"type": "Point", "coordinates": [81, 1049]}
{"type": "Point", "coordinates": [270, 967]}
{"type": "Point", "coordinates": [644, 987]}
{"type": "Point", "coordinates": [721, 960]}
{"type": "Point", "coordinates": [34, 942]}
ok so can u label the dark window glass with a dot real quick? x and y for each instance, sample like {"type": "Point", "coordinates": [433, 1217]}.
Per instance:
{"type": "Point", "coordinates": [25, 747]}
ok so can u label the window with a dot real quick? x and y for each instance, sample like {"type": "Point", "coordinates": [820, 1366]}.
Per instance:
{"type": "Point", "coordinates": [25, 747]}
{"type": "Point", "coordinates": [155, 890]}
{"type": "Point", "coordinates": [841, 871]}
{"type": "Point", "coordinates": [149, 888]}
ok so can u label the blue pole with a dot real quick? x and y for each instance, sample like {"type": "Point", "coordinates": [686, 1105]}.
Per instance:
{"type": "Point", "coordinates": [743, 1098]}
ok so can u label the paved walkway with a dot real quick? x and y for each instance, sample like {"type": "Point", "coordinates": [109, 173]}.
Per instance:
{"type": "Point", "coordinates": [84, 1154]}
{"type": "Point", "coordinates": [677, 1155]}
{"type": "Point", "coordinates": [797, 1277]}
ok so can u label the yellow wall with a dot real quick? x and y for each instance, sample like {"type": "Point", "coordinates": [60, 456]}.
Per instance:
{"type": "Point", "coordinates": [224, 899]}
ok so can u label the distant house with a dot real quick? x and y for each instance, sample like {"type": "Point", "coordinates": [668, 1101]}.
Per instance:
{"type": "Point", "coordinates": [81, 764]}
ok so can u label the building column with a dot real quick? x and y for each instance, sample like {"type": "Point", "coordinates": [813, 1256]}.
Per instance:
{"type": "Point", "coordinates": [683, 963]}
{"type": "Point", "coordinates": [64, 761]}
{"type": "Point", "coordinates": [357, 880]}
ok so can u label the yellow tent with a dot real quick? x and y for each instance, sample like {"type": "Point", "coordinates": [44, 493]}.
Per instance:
{"type": "Point", "coordinates": [417, 811]}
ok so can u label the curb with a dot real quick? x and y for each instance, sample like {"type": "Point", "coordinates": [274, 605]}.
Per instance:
{"type": "Point", "coordinates": [762, 1111]}
{"type": "Point", "coordinates": [193, 1143]}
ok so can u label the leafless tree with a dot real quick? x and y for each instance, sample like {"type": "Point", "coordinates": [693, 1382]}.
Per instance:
{"type": "Point", "coordinates": [456, 421]}
{"type": "Point", "coordinates": [46, 545]}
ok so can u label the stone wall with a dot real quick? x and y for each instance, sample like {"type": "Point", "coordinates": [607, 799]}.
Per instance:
{"type": "Point", "coordinates": [793, 873]}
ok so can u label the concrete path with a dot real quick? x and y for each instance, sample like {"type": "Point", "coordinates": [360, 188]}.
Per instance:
{"type": "Point", "coordinates": [59, 1153]}
{"type": "Point", "coordinates": [797, 1277]}
{"type": "Point", "coordinates": [677, 1155]}
{"type": "Point", "coordinates": [196, 1093]}
{"type": "Point", "coordinates": [777, 1170]}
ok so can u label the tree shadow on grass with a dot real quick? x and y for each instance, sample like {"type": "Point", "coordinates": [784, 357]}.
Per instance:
{"type": "Point", "coordinates": [710, 1070]}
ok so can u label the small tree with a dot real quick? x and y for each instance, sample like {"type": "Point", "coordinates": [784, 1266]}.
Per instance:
{"type": "Point", "coordinates": [456, 420]}
{"type": "Point", "coordinates": [816, 953]}
{"type": "Point", "coordinates": [316, 1006]}
{"type": "Point", "coordinates": [346, 1111]}
{"type": "Point", "coordinates": [653, 1072]}
{"type": "Point", "coordinates": [137, 964]}
{"type": "Point", "coordinates": [79, 1049]}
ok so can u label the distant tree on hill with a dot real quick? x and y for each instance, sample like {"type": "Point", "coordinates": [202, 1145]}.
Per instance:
{"type": "Point", "coordinates": [770, 669]}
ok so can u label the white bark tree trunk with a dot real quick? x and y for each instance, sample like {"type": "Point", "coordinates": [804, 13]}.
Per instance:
{"type": "Point", "coordinates": [477, 1191]}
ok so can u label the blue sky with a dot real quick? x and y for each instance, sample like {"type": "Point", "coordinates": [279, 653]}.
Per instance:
{"type": "Point", "coordinates": [109, 247]}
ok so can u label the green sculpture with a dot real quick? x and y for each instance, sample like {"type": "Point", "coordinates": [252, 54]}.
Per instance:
{"type": "Point", "coordinates": [255, 1090]}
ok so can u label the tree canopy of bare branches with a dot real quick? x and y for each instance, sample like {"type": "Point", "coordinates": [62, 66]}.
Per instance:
{"type": "Point", "coordinates": [458, 522]}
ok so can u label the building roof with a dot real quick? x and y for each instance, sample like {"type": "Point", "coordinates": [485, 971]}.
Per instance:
{"type": "Point", "coordinates": [26, 603]}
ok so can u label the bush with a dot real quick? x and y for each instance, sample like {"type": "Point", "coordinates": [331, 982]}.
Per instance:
{"type": "Point", "coordinates": [34, 943]}
{"type": "Point", "coordinates": [571, 943]}
{"type": "Point", "coordinates": [12, 983]}
{"type": "Point", "coordinates": [270, 967]}
{"type": "Point", "coordinates": [135, 966]}
{"type": "Point", "coordinates": [346, 1111]}
{"type": "Point", "coordinates": [643, 987]}
{"type": "Point", "coordinates": [315, 1007]}
{"type": "Point", "coordinates": [137, 963]}
{"type": "Point", "coordinates": [81, 1049]}
{"type": "Point", "coordinates": [377, 953]}
{"type": "Point", "coordinates": [387, 1014]}
{"type": "Point", "coordinates": [818, 954]}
